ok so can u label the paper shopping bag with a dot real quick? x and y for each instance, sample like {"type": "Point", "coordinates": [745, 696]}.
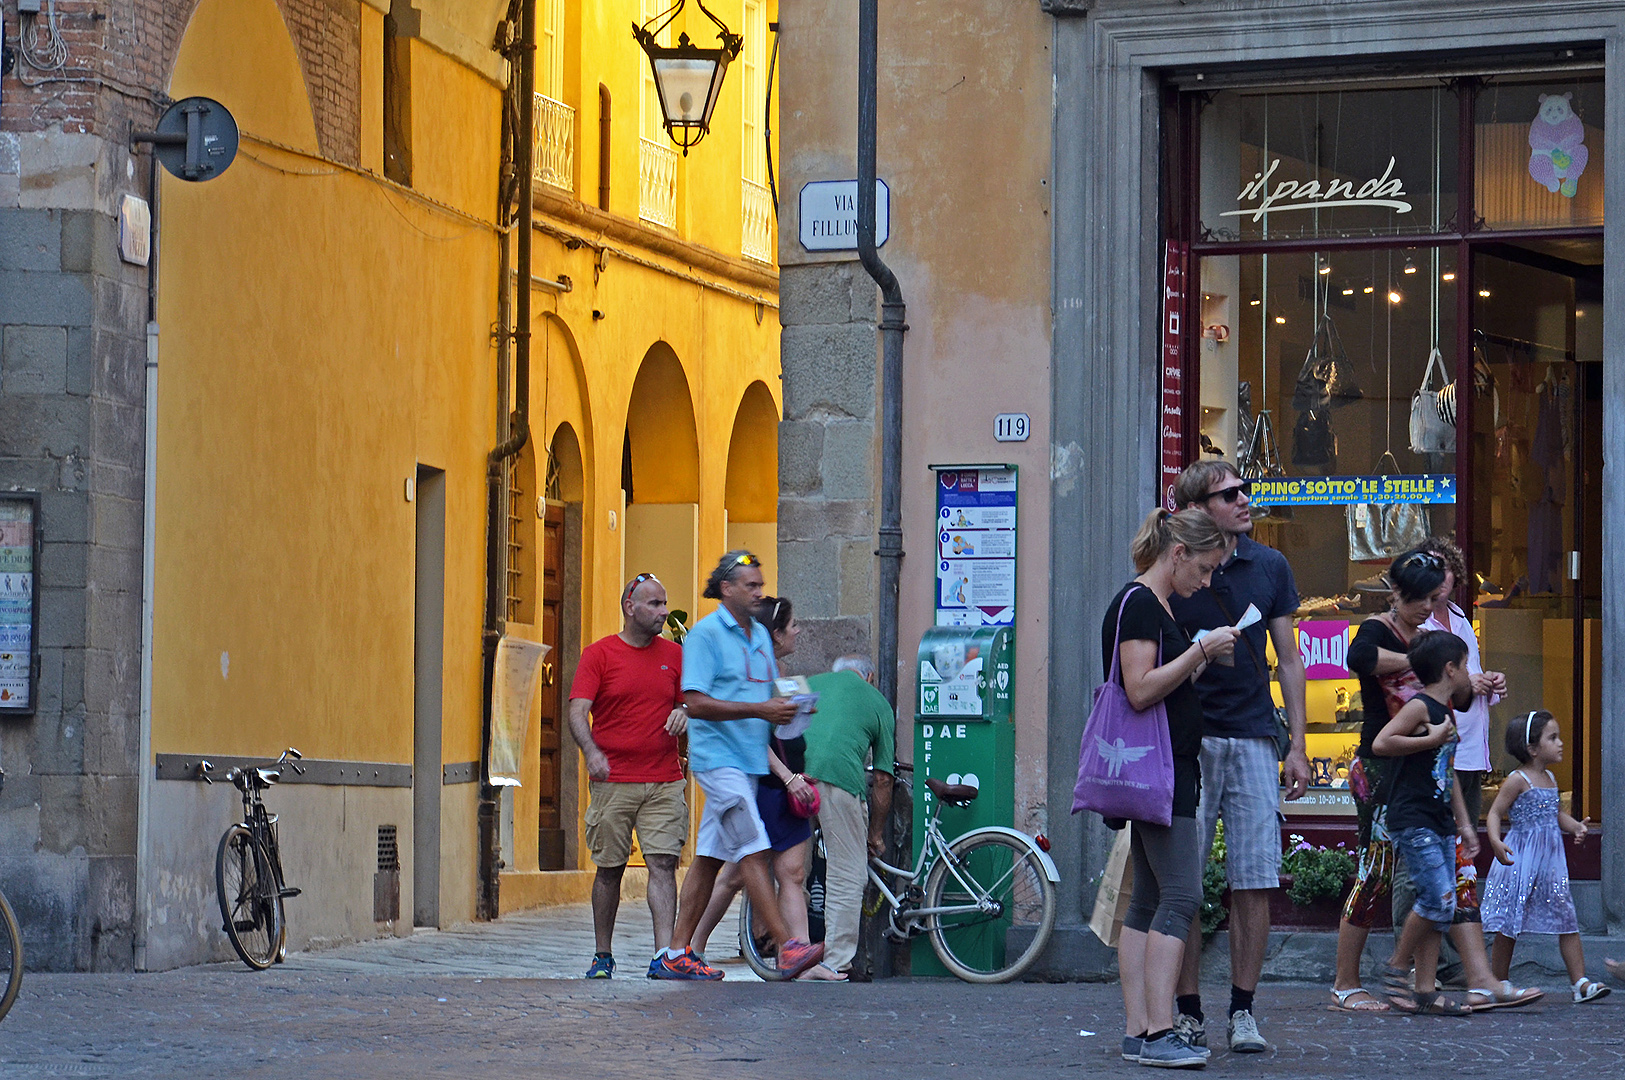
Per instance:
{"type": "Point", "coordinates": [1116, 884]}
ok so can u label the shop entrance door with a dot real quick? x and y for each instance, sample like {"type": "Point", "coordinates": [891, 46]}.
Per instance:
{"type": "Point", "coordinates": [1535, 511]}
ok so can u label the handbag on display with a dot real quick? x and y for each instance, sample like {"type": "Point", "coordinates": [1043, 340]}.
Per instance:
{"type": "Point", "coordinates": [1433, 411]}
{"type": "Point", "coordinates": [1325, 380]}
{"type": "Point", "coordinates": [1381, 532]}
{"type": "Point", "coordinates": [1126, 759]}
{"type": "Point", "coordinates": [1313, 442]}
{"type": "Point", "coordinates": [1260, 457]}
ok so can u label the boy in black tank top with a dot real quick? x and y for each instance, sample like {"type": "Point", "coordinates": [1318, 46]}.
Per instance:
{"type": "Point", "coordinates": [1426, 815]}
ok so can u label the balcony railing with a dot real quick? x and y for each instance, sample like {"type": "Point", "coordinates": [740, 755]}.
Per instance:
{"type": "Point", "coordinates": [657, 183]}
{"type": "Point", "coordinates": [755, 221]}
{"type": "Point", "coordinates": [555, 143]}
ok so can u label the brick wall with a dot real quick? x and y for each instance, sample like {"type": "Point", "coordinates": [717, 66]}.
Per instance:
{"type": "Point", "coordinates": [120, 53]}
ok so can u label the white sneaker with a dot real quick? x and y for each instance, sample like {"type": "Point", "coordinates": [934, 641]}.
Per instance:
{"type": "Point", "coordinates": [1192, 1030]}
{"type": "Point", "coordinates": [1244, 1036]}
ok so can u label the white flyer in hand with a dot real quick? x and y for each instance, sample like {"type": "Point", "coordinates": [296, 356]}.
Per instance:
{"type": "Point", "coordinates": [1248, 617]}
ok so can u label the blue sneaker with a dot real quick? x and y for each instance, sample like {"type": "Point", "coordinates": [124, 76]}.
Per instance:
{"type": "Point", "coordinates": [603, 967]}
{"type": "Point", "coordinates": [1131, 1047]}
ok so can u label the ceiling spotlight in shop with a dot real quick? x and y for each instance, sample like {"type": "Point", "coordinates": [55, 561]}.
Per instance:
{"type": "Point", "coordinates": [1348, 291]}
{"type": "Point", "coordinates": [1255, 301]}
{"type": "Point", "coordinates": [1394, 296]}
{"type": "Point", "coordinates": [1369, 290]}
{"type": "Point", "coordinates": [1410, 266]}
{"type": "Point", "coordinates": [1280, 320]}
{"type": "Point", "coordinates": [1448, 275]}
{"type": "Point", "coordinates": [1325, 266]}
{"type": "Point", "coordinates": [1485, 293]}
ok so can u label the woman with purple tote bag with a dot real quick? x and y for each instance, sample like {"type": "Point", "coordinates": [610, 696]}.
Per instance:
{"type": "Point", "coordinates": [1151, 665]}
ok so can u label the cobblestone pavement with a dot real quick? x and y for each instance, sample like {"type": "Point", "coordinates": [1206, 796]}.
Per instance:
{"type": "Point", "coordinates": [489, 1002]}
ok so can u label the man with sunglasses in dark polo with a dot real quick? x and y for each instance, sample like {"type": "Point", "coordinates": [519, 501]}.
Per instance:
{"type": "Point", "coordinates": [728, 673]}
{"type": "Point", "coordinates": [629, 683]}
{"type": "Point", "coordinates": [1241, 759]}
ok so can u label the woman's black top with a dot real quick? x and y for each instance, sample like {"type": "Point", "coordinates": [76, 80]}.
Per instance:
{"type": "Point", "coordinates": [1373, 634]}
{"type": "Point", "coordinates": [793, 752]}
{"type": "Point", "coordinates": [1145, 619]}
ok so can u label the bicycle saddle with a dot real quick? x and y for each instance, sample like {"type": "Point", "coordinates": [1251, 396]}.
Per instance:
{"type": "Point", "coordinates": [958, 794]}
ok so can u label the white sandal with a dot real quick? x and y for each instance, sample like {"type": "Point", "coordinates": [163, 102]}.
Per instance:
{"type": "Point", "coordinates": [1589, 990]}
{"type": "Point", "coordinates": [1370, 1006]}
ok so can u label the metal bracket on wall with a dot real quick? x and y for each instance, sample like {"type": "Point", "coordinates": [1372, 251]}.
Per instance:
{"type": "Point", "coordinates": [462, 772]}
{"type": "Point", "coordinates": [330, 773]}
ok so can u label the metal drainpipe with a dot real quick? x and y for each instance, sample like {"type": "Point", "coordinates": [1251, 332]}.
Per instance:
{"type": "Point", "coordinates": [523, 59]}
{"type": "Point", "coordinates": [149, 529]}
{"type": "Point", "coordinates": [893, 313]}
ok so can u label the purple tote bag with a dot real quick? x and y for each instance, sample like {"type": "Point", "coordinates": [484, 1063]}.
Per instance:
{"type": "Point", "coordinates": [1126, 762]}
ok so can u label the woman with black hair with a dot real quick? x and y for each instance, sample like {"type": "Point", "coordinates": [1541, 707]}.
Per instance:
{"type": "Point", "coordinates": [1377, 656]}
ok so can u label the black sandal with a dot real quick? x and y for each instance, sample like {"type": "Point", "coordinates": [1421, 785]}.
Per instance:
{"type": "Point", "coordinates": [1434, 1005]}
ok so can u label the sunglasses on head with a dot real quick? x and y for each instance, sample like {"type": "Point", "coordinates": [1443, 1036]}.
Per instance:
{"type": "Point", "coordinates": [746, 559]}
{"type": "Point", "coordinates": [632, 585]}
{"type": "Point", "coordinates": [1232, 493]}
{"type": "Point", "coordinates": [1421, 558]}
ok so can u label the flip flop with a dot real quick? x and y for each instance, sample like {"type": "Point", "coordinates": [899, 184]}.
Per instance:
{"type": "Point", "coordinates": [821, 972]}
{"type": "Point", "coordinates": [1369, 1005]}
{"type": "Point", "coordinates": [1589, 990]}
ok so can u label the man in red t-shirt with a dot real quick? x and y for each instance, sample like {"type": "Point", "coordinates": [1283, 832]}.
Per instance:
{"type": "Point", "coordinates": [631, 684]}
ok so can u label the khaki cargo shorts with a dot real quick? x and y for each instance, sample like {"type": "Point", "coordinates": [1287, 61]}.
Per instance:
{"type": "Point", "coordinates": [659, 812]}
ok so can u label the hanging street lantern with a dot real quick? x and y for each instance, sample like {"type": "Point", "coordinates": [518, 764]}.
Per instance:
{"type": "Point", "coordinates": [687, 77]}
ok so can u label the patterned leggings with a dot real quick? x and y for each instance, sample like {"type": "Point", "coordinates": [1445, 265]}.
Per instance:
{"type": "Point", "coordinates": [1374, 879]}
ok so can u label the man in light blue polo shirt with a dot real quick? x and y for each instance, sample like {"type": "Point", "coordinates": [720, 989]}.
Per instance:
{"type": "Point", "coordinates": [728, 673]}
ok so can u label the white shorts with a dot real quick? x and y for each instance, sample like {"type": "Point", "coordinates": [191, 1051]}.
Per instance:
{"type": "Point", "coordinates": [730, 825]}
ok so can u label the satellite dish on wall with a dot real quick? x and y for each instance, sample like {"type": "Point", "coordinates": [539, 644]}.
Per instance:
{"type": "Point", "coordinates": [196, 139]}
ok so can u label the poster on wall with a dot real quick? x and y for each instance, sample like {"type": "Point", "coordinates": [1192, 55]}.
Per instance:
{"type": "Point", "coordinates": [19, 514]}
{"type": "Point", "coordinates": [1171, 403]}
{"type": "Point", "coordinates": [976, 545]}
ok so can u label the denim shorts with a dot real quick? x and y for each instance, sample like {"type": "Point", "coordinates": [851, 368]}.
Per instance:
{"type": "Point", "coordinates": [1430, 859]}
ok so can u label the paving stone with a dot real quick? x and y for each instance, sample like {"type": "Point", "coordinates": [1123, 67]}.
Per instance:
{"type": "Point", "coordinates": [505, 1000]}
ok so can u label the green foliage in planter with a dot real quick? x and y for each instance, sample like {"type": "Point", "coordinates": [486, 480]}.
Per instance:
{"type": "Point", "coordinates": [1316, 871]}
{"type": "Point", "coordinates": [1213, 909]}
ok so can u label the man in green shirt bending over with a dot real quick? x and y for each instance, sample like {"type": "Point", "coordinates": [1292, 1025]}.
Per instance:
{"type": "Point", "coordinates": [853, 722]}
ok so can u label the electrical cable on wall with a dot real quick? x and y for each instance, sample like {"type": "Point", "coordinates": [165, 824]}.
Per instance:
{"type": "Point", "coordinates": [767, 119]}
{"type": "Point", "coordinates": [49, 54]}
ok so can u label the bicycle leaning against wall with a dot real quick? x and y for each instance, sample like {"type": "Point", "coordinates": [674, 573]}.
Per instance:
{"type": "Point", "coordinates": [11, 948]}
{"type": "Point", "coordinates": [248, 868]}
{"type": "Point", "coordinates": [966, 895]}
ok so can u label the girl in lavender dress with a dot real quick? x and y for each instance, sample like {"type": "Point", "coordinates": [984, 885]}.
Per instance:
{"type": "Point", "coordinates": [1527, 891]}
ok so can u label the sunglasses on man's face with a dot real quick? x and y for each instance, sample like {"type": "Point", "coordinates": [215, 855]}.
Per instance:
{"type": "Point", "coordinates": [1233, 492]}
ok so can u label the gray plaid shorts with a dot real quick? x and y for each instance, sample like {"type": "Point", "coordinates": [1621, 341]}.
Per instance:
{"type": "Point", "coordinates": [1241, 783]}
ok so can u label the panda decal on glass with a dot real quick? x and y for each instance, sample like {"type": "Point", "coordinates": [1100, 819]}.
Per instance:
{"type": "Point", "coordinates": [1557, 150]}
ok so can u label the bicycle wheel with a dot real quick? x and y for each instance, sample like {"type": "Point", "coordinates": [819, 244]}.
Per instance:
{"type": "Point", "coordinates": [11, 956]}
{"type": "Point", "coordinates": [755, 946]}
{"type": "Point", "coordinates": [249, 903]}
{"type": "Point", "coordinates": [1004, 879]}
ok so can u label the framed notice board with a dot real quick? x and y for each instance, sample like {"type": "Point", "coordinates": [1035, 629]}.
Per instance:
{"type": "Point", "coordinates": [976, 545]}
{"type": "Point", "coordinates": [19, 602]}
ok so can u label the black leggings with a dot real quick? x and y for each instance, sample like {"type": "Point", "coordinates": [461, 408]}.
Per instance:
{"type": "Point", "coordinates": [1167, 877]}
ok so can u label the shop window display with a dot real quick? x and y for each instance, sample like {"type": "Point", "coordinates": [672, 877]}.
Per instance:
{"type": "Point", "coordinates": [1364, 327]}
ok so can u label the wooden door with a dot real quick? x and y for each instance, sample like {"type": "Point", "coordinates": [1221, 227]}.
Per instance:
{"type": "Point", "coordinates": [550, 824]}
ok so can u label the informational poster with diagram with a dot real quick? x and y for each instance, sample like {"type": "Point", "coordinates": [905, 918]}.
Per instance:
{"type": "Point", "coordinates": [976, 545]}
{"type": "Point", "coordinates": [17, 603]}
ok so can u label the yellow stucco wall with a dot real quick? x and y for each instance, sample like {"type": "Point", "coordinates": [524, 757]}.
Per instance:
{"type": "Point", "coordinates": [325, 332]}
